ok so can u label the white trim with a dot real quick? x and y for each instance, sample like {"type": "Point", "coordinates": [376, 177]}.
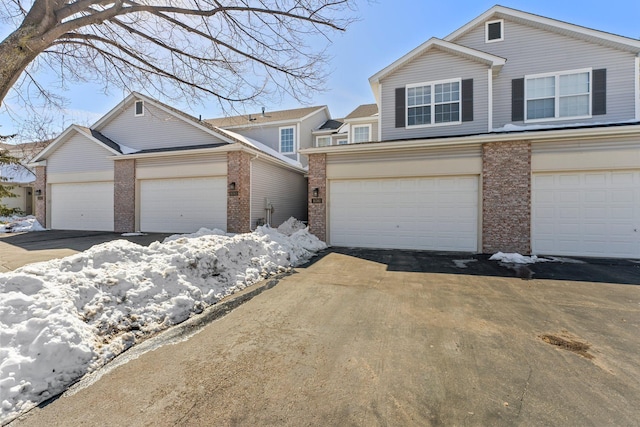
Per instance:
{"type": "Point", "coordinates": [135, 108]}
{"type": "Point", "coordinates": [534, 136]}
{"type": "Point", "coordinates": [629, 43]}
{"type": "Point", "coordinates": [323, 136]}
{"type": "Point", "coordinates": [379, 113]}
{"type": "Point", "coordinates": [346, 141]}
{"type": "Point", "coordinates": [352, 132]}
{"type": "Point", "coordinates": [490, 100]}
{"type": "Point", "coordinates": [294, 133]}
{"type": "Point", "coordinates": [637, 85]}
{"type": "Point", "coordinates": [432, 122]}
{"type": "Point", "coordinates": [557, 96]}
{"type": "Point", "coordinates": [486, 31]}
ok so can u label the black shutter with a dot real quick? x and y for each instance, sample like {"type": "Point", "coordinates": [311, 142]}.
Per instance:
{"type": "Point", "coordinates": [517, 100]}
{"type": "Point", "coordinates": [467, 100]}
{"type": "Point", "coordinates": [400, 107]}
{"type": "Point", "coordinates": [599, 96]}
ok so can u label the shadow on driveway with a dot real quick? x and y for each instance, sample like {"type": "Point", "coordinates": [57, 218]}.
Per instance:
{"type": "Point", "coordinates": [602, 270]}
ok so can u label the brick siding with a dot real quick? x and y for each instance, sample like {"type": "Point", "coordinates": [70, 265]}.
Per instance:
{"type": "Point", "coordinates": [124, 196]}
{"type": "Point", "coordinates": [239, 200]}
{"type": "Point", "coordinates": [506, 197]}
{"type": "Point", "coordinates": [318, 211]}
{"type": "Point", "coordinates": [41, 201]}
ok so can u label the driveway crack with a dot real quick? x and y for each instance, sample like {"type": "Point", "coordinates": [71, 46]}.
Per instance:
{"type": "Point", "coordinates": [524, 392]}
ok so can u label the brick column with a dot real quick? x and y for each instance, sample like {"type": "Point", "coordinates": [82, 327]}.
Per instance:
{"type": "Point", "coordinates": [41, 200]}
{"type": "Point", "coordinates": [238, 199]}
{"type": "Point", "coordinates": [124, 196]}
{"type": "Point", "coordinates": [506, 197]}
{"type": "Point", "coordinates": [318, 205]}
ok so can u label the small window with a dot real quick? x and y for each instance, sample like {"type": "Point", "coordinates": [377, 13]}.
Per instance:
{"type": "Point", "coordinates": [139, 108]}
{"type": "Point", "coordinates": [287, 140]}
{"type": "Point", "coordinates": [343, 141]}
{"type": "Point", "coordinates": [323, 141]}
{"type": "Point", "coordinates": [494, 31]}
{"type": "Point", "coordinates": [361, 133]}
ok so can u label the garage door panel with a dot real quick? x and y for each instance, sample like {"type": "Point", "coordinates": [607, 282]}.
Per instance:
{"type": "Point", "coordinates": [82, 206]}
{"type": "Point", "coordinates": [589, 214]}
{"type": "Point", "coordinates": [183, 205]}
{"type": "Point", "coordinates": [412, 213]}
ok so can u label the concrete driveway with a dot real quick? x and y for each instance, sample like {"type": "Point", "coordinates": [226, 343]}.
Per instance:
{"type": "Point", "coordinates": [360, 338]}
{"type": "Point", "coordinates": [18, 249]}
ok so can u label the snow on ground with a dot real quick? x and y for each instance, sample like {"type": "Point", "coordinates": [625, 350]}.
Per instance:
{"type": "Point", "coordinates": [63, 318]}
{"type": "Point", "coordinates": [18, 224]}
{"type": "Point", "coordinates": [516, 258]}
{"type": "Point", "coordinates": [290, 226]}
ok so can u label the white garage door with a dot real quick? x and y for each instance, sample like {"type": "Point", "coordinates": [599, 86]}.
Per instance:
{"type": "Point", "coordinates": [416, 213]}
{"type": "Point", "coordinates": [82, 206]}
{"type": "Point", "coordinates": [183, 205]}
{"type": "Point", "coordinates": [588, 214]}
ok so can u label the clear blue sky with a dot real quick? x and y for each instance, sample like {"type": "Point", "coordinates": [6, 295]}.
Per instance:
{"type": "Point", "coordinates": [387, 29]}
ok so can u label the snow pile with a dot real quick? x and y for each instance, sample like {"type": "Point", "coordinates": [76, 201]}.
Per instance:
{"type": "Point", "coordinates": [290, 226]}
{"type": "Point", "coordinates": [64, 318]}
{"type": "Point", "coordinates": [18, 224]}
{"type": "Point", "coordinates": [516, 258]}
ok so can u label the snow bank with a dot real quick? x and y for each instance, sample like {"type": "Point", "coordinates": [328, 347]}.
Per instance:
{"type": "Point", "coordinates": [516, 258]}
{"type": "Point", "coordinates": [18, 224]}
{"type": "Point", "coordinates": [64, 318]}
{"type": "Point", "coordinates": [290, 226]}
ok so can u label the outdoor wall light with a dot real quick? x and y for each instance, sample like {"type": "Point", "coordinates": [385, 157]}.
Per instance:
{"type": "Point", "coordinates": [38, 192]}
{"type": "Point", "coordinates": [232, 186]}
{"type": "Point", "coordinates": [316, 192]}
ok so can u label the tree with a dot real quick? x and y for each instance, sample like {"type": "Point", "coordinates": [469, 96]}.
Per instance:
{"type": "Point", "coordinates": [234, 50]}
{"type": "Point", "coordinates": [6, 160]}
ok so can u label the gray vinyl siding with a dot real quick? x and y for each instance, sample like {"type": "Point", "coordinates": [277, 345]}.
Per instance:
{"type": "Point", "coordinates": [432, 66]}
{"type": "Point", "coordinates": [268, 135]}
{"type": "Point", "coordinates": [286, 189]}
{"type": "Point", "coordinates": [307, 140]}
{"type": "Point", "coordinates": [156, 129]}
{"type": "Point", "coordinates": [79, 154]}
{"type": "Point", "coordinates": [530, 50]}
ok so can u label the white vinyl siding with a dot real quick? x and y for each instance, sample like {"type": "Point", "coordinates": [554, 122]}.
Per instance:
{"type": "Point", "coordinates": [156, 129]}
{"type": "Point", "coordinates": [183, 205]}
{"type": "Point", "coordinates": [433, 66]}
{"type": "Point", "coordinates": [531, 50]}
{"type": "Point", "coordinates": [285, 189]}
{"type": "Point", "coordinates": [428, 213]}
{"type": "Point", "coordinates": [558, 96]}
{"type": "Point", "coordinates": [79, 154]}
{"type": "Point", "coordinates": [82, 206]}
{"type": "Point", "coordinates": [593, 213]}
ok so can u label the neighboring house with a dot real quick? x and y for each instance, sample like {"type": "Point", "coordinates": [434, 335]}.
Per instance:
{"type": "Point", "coordinates": [146, 166]}
{"type": "Point", "coordinates": [361, 125]}
{"type": "Point", "coordinates": [19, 177]}
{"type": "Point", "coordinates": [286, 131]}
{"type": "Point", "coordinates": [516, 133]}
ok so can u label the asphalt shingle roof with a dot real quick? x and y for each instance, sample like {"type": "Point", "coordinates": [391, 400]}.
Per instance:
{"type": "Point", "coordinates": [258, 118]}
{"type": "Point", "coordinates": [365, 110]}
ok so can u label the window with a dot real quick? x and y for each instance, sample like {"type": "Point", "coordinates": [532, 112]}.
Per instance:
{"type": "Point", "coordinates": [323, 141]}
{"type": "Point", "coordinates": [139, 109]}
{"type": "Point", "coordinates": [361, 133]}
{"type": "Point", "coordinates": [494, 31]}
{"type": "Point", "coordinates": [287, 140]}
{"type": "Point", "coordinates": [558, 96]}
{"type": "Point", "coordinates": [343, 142]}
{"type": "Point", "coordinates": [433, 103]}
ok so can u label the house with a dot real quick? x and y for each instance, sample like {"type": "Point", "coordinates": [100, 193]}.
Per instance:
{"type": "Point", "coordinates": [19, 177]}
{"type": "Point", "coordinates": [147, 166]}
{"type": "Point", "coordinates": [515, 133]}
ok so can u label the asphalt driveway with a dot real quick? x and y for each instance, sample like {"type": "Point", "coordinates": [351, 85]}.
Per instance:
{"type": "Point", "coordinates": [362, 338]}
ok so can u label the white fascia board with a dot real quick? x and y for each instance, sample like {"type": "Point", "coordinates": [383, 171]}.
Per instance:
{"type": "Point", "coordinates": [222, 148]}
{"type": "Point", "coordinates": [565, 26]}
{"type": "Point", "coordinates": [63, 137]}
{"type": "Point", "coordinates": [533, 136]}
{"type": "Point", "coordinates": [368, 119]}
{"type": "Point", "coordinates": [492, 60]}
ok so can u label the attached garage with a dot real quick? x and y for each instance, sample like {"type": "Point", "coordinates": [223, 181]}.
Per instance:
{"type": "Point", "coordinates": [183, 205]}
{"type": "Point", "coordinates": [431, 213]}
{"type": "Point", "coordinates": [593, 213]}
{"type": "Point", "coordinates": [82, 206]}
